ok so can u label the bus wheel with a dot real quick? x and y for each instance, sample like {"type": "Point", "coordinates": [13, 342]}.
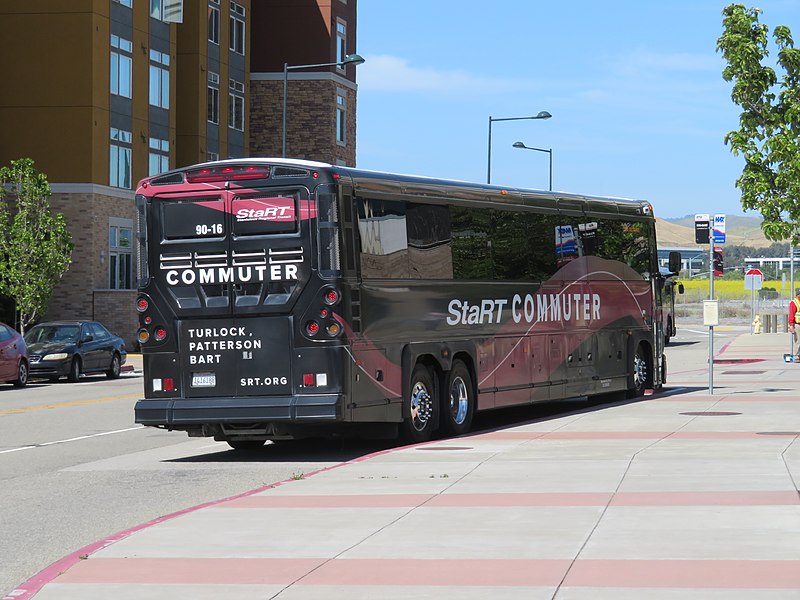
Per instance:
{"type": "Point", "coordinates": [418, 424]}
{"type": "Point", "coordinates": [641, 373]}
{"type": "Point", "coordinates": [246, 445]}
{"type": "Point", "coordinates": [458, 401]}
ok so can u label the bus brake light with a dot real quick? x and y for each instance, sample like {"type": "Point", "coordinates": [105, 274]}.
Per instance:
{"type": "Point", "coordinates": [160, 334]}
{"type": "Point", "coordinates": [142, 304]}
{"type": "Point", "coordinates": [331, 297]}
{"type": "Point", "coordinates": [226, 173]}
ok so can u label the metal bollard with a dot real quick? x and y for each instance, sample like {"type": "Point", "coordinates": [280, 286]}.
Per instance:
{"type": "Point", "coordinates": [785, 326]}
{"type": "Point", "coordinates": [774, 318]}
{"type": "Point", "coordinates": [767, 323]}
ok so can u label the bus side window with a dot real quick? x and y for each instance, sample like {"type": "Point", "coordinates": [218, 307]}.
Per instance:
{"type": "Point", "coordinates": [471, 229]}
{"type": "Point", "coordinates": [540, 256]}
{"type": "Point", "coordinates": [384, 242]}
{"type": "Point", "coordinates": [430, 253]}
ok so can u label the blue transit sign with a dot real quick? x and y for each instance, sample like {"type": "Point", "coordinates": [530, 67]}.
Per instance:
{"type": "Point", "coordinates": [719, 229]}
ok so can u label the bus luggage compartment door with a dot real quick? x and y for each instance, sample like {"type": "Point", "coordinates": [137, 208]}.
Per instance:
{"type": "Point", "coordinates": [236, 357]}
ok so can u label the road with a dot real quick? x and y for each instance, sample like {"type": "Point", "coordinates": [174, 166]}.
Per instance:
{"type": "Point", "coordinates": [75, 469]}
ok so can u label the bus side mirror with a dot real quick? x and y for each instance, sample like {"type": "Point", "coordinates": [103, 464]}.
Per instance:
{"type": "Point", "coordinates": [680, 288]}
{"type": "Point", "coordinates": [675, 262]}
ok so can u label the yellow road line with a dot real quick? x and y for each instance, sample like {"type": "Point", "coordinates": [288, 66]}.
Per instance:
{"type": "Point", "coordinates": [67, 404]}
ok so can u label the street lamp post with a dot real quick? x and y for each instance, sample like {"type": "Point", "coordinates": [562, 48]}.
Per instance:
{"type": "Point", "coordinates": [350, 59]}
{"type": "Point", "coordinates": [542, 114]}
{"type": "Point", "coordinates": [548, 150]}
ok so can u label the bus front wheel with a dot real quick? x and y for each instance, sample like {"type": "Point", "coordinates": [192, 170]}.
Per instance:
{"type": "Point", "coordinates": [420, 405]}
{"type": "Point", "coordinates": [458, 401]}
{"type": "Point", "coordinates": [640, 373]}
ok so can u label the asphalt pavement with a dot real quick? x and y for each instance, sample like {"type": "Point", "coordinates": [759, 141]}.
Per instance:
{"type": "Point", "coordinates": [680, 494]}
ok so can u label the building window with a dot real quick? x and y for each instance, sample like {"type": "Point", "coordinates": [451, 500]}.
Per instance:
{"type": "Point", "coordinates": [128, 3]}
{"type": "Point", "coordinates": [120, 159]}
{"type": "Point", "coordinates": [341, 42]}
{"type": "Point", "coordinates": [121, 66]}
{"type": "Point", "coordinates": [212, 156]}
{"type": "Point", "coordinates": [237, 28]}
{"type": "Point", "coordinates": [341, 118]}
{"type": "Point", "coordinates": [120, 254]}
{"type": "Point", "coordinates": [213, 22]}
{"type": "Point", "coordinates": [159, 79]}
{"type": "Point", "coordinates": [213, 97]}
{"type": "Point", "coordinates": [156, 9]}
{"type": "Point", "coordinates": [236, 105]}
{"type": "Point", "coordinates": [159, 156]}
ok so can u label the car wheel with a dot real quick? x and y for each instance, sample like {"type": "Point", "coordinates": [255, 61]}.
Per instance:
{"type": "Point", "coordinates": [74, 370]}
{"type": "Point", "coordinates": [113, 372]}
{"type": "Point", "coordinates": [22, 375]}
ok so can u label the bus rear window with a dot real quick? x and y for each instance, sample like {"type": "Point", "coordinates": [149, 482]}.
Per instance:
{"type": "Point", "coordinates": [186, 219]}
{"type": "Point", "coordinates": [264, 215]}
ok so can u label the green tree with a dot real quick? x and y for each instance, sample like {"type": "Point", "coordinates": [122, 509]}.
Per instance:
{"type": "Point", "coordinates": [35, 246]}
{"type": "Point", "coordinates": [769, 123]}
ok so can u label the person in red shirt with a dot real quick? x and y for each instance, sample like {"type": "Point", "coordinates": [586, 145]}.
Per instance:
{"type": "Point", "coordinates": [794, 323]}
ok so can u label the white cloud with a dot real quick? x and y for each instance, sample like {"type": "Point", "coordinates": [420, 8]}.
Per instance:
{"type": "Point", "coordinates": [384, 73]}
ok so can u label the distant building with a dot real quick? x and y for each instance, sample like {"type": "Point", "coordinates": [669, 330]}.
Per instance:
{"type": "Point", "coordinates": [321, 102]}
{"type": "Point", "coordinates": [101, 93]}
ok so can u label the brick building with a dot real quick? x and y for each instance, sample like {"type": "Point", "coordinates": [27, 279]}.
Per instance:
{"type": "Point", "coordinates": [321, 101]}
{"type": "Point", "coordinates": [101, 93]}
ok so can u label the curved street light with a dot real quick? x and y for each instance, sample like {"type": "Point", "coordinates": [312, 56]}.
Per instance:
{"type": "Point", "coordinates": [542, 114]}
{"type": "Point", "coordinates": [548, 150]}
{"type": "Point", "coordinates": [350, 59]}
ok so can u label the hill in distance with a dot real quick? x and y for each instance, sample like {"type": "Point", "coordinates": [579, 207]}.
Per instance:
{"type": "Point", "coordinates": [739, 231]}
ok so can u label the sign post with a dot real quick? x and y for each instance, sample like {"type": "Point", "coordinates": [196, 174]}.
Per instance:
{"type": "Point", "coordinates": [753, 279]}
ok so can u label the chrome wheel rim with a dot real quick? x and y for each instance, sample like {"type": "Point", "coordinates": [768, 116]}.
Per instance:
{"type": "Point", "coordinates": [421, 406]}
{"type": "Point", "coordinates": [639, 371]}
{"type": "Point", "coordinates": [459, 401]}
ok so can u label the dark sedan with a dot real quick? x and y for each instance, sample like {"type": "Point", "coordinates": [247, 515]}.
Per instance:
{"type": "Point", "coordinates": [13, 357]}
{"type": "Point", "coordinates": [73, 348]}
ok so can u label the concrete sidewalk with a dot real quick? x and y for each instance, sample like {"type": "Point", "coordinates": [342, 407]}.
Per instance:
{"type": "Point", "coordinates": [678, 495]}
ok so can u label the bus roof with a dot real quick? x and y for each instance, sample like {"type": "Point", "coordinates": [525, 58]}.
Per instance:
{"type": "Point", "coordinates": [380, 182]}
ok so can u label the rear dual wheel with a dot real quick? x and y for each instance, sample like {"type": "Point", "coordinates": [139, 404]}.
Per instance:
{"type": "Point", "coordinates": [459, 401]}
{"type": "Point", "coordinates": [419, 406]}
{"type": "Point", "coordinates": [455, 407]}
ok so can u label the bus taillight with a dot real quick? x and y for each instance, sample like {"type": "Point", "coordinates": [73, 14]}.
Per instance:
{"type": "Point", "coordinates": [142, 305]}
{"type": "Point", "coordinates": [331, 297]}
{"type": "Point", "coordinates": [160, 334]}
{"type": "Point", "coordinates": [312, 327]}
{"type": "Point", "coordinates": [227, 173]}
{"type": "Point", "coordinates": [333, 329]}
{"type": "Point", "coordinates": [143, 336]}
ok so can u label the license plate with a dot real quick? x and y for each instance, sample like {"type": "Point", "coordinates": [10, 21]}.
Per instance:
{"type": "Point", "coordinates": [204, 380]}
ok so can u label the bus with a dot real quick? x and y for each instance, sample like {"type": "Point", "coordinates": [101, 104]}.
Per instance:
{"type": "Point", "coordinates": [671, 287]}
{"type": "Point", "coordinates": [287, 299]}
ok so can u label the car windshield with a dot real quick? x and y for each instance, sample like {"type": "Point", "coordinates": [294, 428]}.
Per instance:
{"type": "Point", "coordinates": [53, 333]}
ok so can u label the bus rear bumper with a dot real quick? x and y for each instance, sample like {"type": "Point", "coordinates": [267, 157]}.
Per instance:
{"type": "Point", "coordinates": [174, 413]}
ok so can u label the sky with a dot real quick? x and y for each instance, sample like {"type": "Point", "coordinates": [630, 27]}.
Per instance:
{"type": "Point", "coordinates": [639, 107]}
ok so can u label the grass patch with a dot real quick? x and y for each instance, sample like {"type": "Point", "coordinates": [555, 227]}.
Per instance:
{"type": "Point", "coordinates": [696, 290]}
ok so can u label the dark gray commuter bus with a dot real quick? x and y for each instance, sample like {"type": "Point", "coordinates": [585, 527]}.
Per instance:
{"type": "Point", "coordinates": [284, 299]}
